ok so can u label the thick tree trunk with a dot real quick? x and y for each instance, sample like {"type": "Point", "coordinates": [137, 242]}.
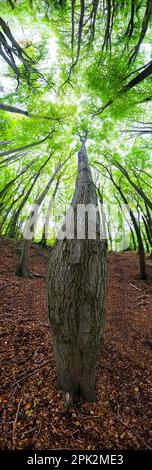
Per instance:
{"type": "Point", "coordinates": [76, 291]}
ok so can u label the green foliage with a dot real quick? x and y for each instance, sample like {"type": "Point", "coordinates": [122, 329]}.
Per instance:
{"type": "Point", "coordinates": [61, 90]}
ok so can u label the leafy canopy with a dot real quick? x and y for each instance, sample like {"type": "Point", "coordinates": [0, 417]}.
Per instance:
{"type": "Point", "coordinates": [70, 66]}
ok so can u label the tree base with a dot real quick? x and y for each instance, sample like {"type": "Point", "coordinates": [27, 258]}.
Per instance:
{"type": "Point", "coordinates": [71, 399]}
{"type": "Point", "coordinates": [21, 273]}
{"type": "Point", "coordinates": [77, 400]}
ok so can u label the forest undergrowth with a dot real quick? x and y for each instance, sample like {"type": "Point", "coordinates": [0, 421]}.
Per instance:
{"type": "Point", "coordinates": [32, 412]}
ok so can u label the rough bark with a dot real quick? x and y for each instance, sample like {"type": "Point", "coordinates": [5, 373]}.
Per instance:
{"type": "Point", "coordinates": [75, 293]}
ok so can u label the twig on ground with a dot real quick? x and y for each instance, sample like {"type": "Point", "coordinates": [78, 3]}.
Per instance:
{"type": "Point", "coordinates": [38, 275]}
{"type": "Point", "coordinates": [135, 287]}
{"type": "Point", "coordinates": [74, 432]}
{"type": "Point", "coordinates": [28, 320]}
{"type": "Point", "coordinates": [6, 285]}
{"type": "Point", "coordinates": [39, 430]}
{"type": "Point", "coordinates": [133, 432]}
{"type": "Point", "coordinates": [15, 422]}
{"type": "Point", "coordinates": [105, 367]}
{"type": "Point", "coordinates": [29, 430]}
{"type": "Point", "coordinates": [31, 373]}
{"type": "Point", "coordinates": [141, 296]}
{"type": "Point", "coordinates": [145, 302]}
{"type": "Point", "coordinates": [26, 375]}
{"type": "Point", "coordinates": [41, 323]}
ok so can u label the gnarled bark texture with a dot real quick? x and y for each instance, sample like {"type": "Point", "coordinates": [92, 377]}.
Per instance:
{"type": "Point", "coordinates": [76, 291]}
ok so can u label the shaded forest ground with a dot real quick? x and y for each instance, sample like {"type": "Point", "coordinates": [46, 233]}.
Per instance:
{"type": "Point", "coordinates": [32, 414]}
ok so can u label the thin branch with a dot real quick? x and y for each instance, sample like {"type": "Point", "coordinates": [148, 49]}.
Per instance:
{"type": "Point", "coordinates": [24, 147]}
{"type": "Point", "coordinates": [15, 422]}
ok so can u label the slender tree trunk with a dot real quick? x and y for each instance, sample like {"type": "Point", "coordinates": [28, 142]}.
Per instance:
{"type": "Point", "coordinates": [103, 216]}
{"type": "Point", "coordinates": [7, 212]}
{"type": "Point", "coordinates": [16, 110]}
{"type": "Point", "coordinates": [76, 292]}
{"type": "Point", "coordinates": [146, 242]}
{"type": "Point", "coordinates": [20, 149]}
{"type": "Point", "coordinates": [147, 230]}
{"type": "Point", "coordinates": [109, 229]}
{"type": "Point", "coordinates": [129, 225]}
{"type": "Point", "coordinates": [137, 188]}
{"type": "Point", "coordinates": [43, 239]}
{"type": "Point", "coordinates": [10, 183]}
{"type": "Point", "coordinates": [22, 268]}
{"type": "Point", "coordinates": [44, 234]}
{"type": "Point", "coordinates": [24, 200]}
{"type": "Point", "coordinates": [14, 202]}
{"type": "Point", "coordinates": [141, 251]}
{"type": "Point", "coordinates": [133, 238]}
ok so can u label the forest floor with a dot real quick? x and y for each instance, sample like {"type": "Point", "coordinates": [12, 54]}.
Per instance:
{"type": "Point", "coordinates": [32, 413]}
